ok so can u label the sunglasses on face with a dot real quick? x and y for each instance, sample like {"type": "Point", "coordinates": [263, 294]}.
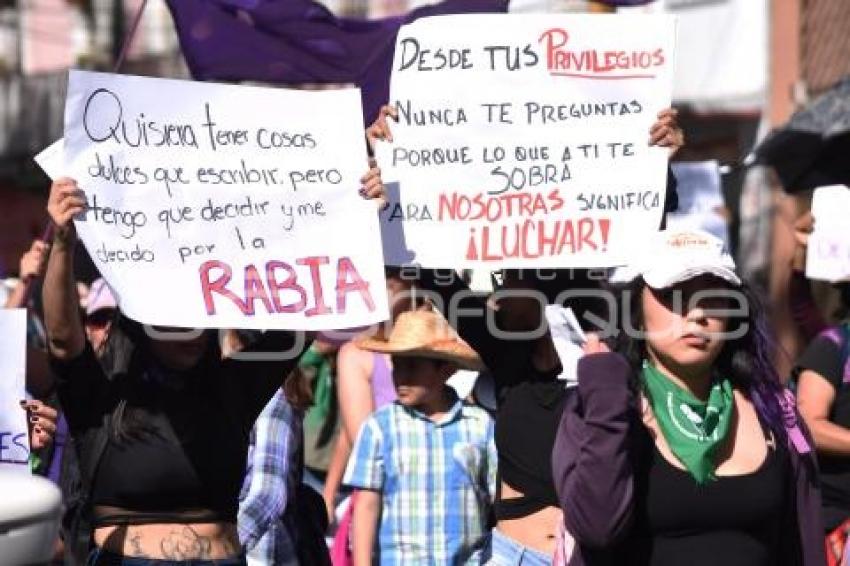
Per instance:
{"type": "Point", "coordinates": [683, 299]}
{"type": "Point", "coordinates": [100, 319]}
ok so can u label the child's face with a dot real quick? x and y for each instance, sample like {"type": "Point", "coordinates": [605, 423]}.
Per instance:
{"type": "Point", "coordinates": [418, 381]}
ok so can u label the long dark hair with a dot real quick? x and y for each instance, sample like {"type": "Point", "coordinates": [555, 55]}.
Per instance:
{"type": "Point", "coordinates": [298, 390]}
{"type": "Point", "coordinates": [127, 356]}
{"type": "Point", "coordinates": [843, 312]}
{"type": "Point", "coordinates": [746, 360]}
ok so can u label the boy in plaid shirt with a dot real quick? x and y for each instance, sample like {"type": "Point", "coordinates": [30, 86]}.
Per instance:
{"type": "Point", "coordinates": [424, 467]}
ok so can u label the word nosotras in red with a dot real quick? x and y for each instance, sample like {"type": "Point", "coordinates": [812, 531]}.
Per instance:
{"type": "Point", "coordinates": [456, 206]}
{"type": "Point", "coordinates": [595, 64]}
{"type": "Point", "coordinates": [537, 238]}
{"type": "Point", "coordinates": [278, 277]}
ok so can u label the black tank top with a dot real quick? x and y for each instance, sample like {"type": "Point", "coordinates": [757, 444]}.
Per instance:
{"type": "Point", "coordinates": [733, 520]}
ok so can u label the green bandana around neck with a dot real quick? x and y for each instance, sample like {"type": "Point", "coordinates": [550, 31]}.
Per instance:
{"type": "Point", "coordinates": [693, 429]}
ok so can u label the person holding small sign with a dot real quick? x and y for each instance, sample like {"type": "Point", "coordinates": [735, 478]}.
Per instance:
{"type": "Point", "coordinates": [685, 447]}
{"type": "Point", "coordinates": [31, 269]}
{"type": "Point", "coordinates": [822, 374]}
{"type": "Point", "coordinates": [41, 418]}
{"type": "Point", "coordinates": [161, 425]}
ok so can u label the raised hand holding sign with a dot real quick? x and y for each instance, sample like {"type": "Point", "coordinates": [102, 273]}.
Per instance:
{"type": "Point", "coordinates": [233, 206]}
{"type": "Point", "coordinates": [523, 141]}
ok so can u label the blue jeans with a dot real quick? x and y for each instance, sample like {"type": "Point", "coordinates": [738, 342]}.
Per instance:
{"type": "Point", "coordinates": [505, 551]}
{"type": "Point", "coordinates": [100, 557]}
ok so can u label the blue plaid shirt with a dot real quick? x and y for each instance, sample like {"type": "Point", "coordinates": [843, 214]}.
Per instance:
{"type": "Point", "coordinates": [271, 478]}
{"type": "Point", "coordinates": [437, 481]}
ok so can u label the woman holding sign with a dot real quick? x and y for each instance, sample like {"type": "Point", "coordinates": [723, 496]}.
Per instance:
{"type": "Point", "coordinates": [526, 370]}
{"type": "Point", "coordinates": [687, 449]}
{"type": "Point", "coordinates": [822, 374]}
{"type": "Point", "coordinates": [161, 425]}
{"type": "Point", "coordinates": [823, 392]}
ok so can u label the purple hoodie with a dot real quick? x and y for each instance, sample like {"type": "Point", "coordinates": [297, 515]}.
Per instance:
{"type": "Point", "coordinates": [595, 456]}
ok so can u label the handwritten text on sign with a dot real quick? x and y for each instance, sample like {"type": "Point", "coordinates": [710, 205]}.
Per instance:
{"type": "Point", "coordinates": [828, 256]}
{"type": "Point", "coordinates": [14, 442]}
{"type": "Point", "coordinates": [226, 206]}
{"type": "Point", "coordinates": [523, 141]}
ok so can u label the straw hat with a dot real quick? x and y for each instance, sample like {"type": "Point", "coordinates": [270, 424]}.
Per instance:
{"type": "Point", "coordinates": [424, 334]}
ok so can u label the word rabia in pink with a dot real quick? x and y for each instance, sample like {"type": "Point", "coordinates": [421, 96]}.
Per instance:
{"type": "Point", "coordinates": [279, 289]}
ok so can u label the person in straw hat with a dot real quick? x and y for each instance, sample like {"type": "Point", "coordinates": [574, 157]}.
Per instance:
{"type": "Point", "coordinates": [424, 466]}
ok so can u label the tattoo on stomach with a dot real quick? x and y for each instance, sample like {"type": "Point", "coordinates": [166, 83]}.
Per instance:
{"type": "Point", "coordinates": [229, 548]}
{"type": "Point", "coordinates": [136, 547]}
{"type": "Point", "coordinates": [185, 544]}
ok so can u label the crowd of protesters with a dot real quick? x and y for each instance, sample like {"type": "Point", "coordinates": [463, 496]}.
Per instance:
{"type": "Point", "coordinates": [673, 442]}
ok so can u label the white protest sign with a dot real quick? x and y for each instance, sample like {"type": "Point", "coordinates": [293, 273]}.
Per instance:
{"type": "Point", "coordinates": [226, 206]}
{"type": "Point", "coordinates": [14, 438]}
{"type": "Point", "coordinates": [52, 159]}
{"type": "Point", "coordinates": [568, 338]}
{"type": "Point", "coordinates": [522, 140]}
{"type": "Point", "coordinates": [828, 256]}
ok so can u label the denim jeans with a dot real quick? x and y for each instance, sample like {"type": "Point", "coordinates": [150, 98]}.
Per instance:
{"type": "Point", "coordinates": [505, 551]}
{"type": "Point", "coordinates": [100, 557]}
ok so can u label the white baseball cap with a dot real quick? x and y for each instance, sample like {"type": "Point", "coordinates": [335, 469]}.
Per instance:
{"type": "Point", "coordinates": [100, 297]}
{"type": "Point", "coordinates": [677, 255]}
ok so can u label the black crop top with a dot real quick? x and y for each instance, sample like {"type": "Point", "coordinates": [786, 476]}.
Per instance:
{"type": "Point", "coordinates": [526, 425]}
{"type": "Point", "coordinates": [530, 406]}
{"type": "Point", "coordinates": [184, 457]}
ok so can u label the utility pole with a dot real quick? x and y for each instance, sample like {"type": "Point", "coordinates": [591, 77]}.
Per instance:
{"type": "Point", "coordinates": [118, 29]}
{"type": "Point", "coordinates": [784, 72]}
{"type": "Point", "coordinates": [18, 65]}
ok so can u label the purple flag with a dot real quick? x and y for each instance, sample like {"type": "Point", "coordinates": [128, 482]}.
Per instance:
{"type": "Point", "coordinates": [297, 42]}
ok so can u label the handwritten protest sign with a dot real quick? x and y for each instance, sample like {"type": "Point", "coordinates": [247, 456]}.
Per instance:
{"type": "Point", "coordinates": [522, 140]}
{"type": "Point", "coordinates": [14, 441]}
{"type": "Point", "coordinates": [828, 256]}
{"type": "Point", "coordinates": [226, 206]}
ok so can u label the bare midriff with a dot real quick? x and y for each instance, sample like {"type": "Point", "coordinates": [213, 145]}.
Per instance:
{"type": "Point", "coordinates": [538, 531]}
{"type": "Point", "coordinates": [171, 541]}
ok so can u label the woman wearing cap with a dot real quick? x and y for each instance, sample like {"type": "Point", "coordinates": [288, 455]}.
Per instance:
{"type": "Point", "coordinates": [101, 308]}
{"type": "Point", "coordinates": [525, 371]}
{"type": "Point", "coordinates": [685, 448]}
{"type": "Point", "coordinates": [161, 426]}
